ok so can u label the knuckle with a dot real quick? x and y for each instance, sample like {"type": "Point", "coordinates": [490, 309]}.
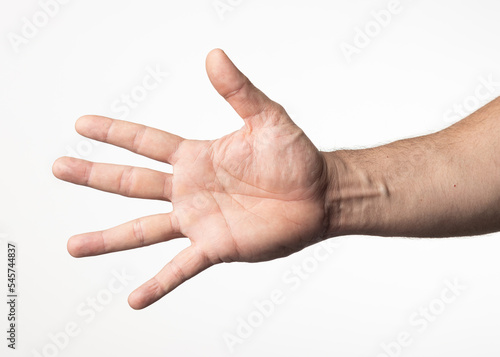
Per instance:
{"type": "Point", "coordinates": [127, 181]}
{"type": "Point", "coordinates": [177, 272]}
{"type": "Point", "coordinates": [139, 232]}
{"type": "Point", "coordinates": [167, 188]}
{"type": "Point", "coordinates": [138, 138]}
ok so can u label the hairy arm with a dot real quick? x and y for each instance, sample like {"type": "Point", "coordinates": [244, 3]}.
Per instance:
{"type": "Point", "coordinates": [438, 185]}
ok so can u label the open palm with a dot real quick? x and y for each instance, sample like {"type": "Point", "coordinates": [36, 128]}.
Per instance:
{"type": "Point", "coordinates": [253, 195]}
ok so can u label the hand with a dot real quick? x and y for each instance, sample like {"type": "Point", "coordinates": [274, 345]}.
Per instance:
{"type": "Point", "coordinates": [253, 195]}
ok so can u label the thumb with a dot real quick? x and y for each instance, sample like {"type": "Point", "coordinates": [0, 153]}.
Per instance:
{"type": "Point", "coordinates": [234, 86]}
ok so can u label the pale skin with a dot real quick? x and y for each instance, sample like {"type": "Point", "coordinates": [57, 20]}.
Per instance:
{"type": "Point", "coordinates": [265, 191]}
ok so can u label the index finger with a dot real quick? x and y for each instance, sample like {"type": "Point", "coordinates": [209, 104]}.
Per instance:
{"type": "Point", "coordinates": [143, 140]}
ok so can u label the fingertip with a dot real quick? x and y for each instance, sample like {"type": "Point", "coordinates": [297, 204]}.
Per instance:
{"type": "Point", "coordinates": [140, 298]}
{"type": "Point", "coordinates": [145, 295]}
{"type": "Point", "coordinates": [85, 123]}
{"type": "Point", "coordinates": [73, 247]}
{"type": "Point", "coordinates": [93, 126]}
{"type": "Point", "coordinates": [223, 73]}
{"type": "Point", "coordinates": [68, 169]}
{"type": "Point", "coordinates": [212, 63]}
{"type": "Point", "coordinates": [57, 167]}
{"type": "Point", "coordinates": [86, 245]}
{"type": "Point", "coordinates": [219, 65]}
{"type": "Point", "coordinates": [60, 167]}
{"type": "Point", "coordinates": [213, 55]}
{"type": "Point", "coordinates": [80, 123]}
{"type": "Point", "coordinates": [133, 302]}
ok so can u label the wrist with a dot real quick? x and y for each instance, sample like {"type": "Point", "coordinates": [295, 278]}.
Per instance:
{"type": "Point", "coordinates": [356, 193]}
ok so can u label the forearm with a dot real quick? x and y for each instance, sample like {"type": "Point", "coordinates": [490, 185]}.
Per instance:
{"type": "Point", "coordinates": [443, 184]}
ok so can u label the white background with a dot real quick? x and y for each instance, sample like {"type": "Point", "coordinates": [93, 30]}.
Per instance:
{"type": "Point", "coordinates": [428, 59]}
